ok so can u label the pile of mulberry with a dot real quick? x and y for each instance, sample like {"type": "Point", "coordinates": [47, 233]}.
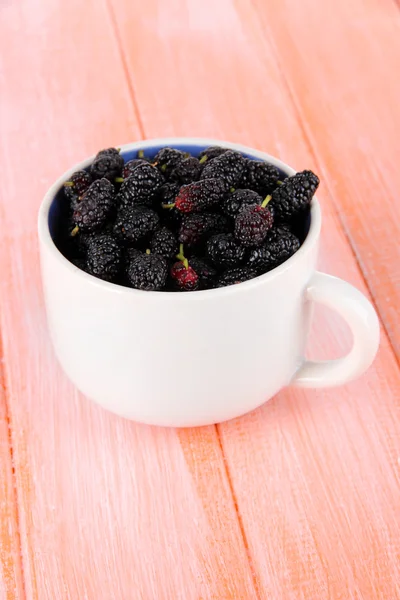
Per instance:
{"type": "Point", "coordinates": [174, 222]}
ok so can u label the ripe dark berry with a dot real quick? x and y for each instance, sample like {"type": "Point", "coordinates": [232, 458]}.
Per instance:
{"type": "Point", "coordinates": [205, 272]}
{"type": "Point", "coordinates": [227, 167]}
{"type": "Point", "coordinates": [167, 159]}
{"type": "Point", "coordinates": [107, 163]}
{"type": "Point", "coordinates": [234, 276]}
{"type": "Point", "coordinates": [184, 277]}
{"type": "Point", "coordinates": [235, 201]}
{"type": "Point", "coordinates": [210, 153]}
{"type": "Point", "coordinates": [252, 225]}
{"type": "Point", "coordinates": [200, 196]}
{"type": "Point", "coordinates": [80, 263]}
{"type": "Point", "coordinates": [135, 223]}
{"type": "Point", "coordinates": [95, 206]}
{"type": "Point", "coordinates": [225, 251]}
{"type": "Point", "coordinates": [131, 166]}
{"type": "Point", "coordinates": [164, 243]}
{"type": "Point", "coordinates": [141, 186]}
{"type": "Point", "coordinates": [148, 272]}
{"type": "Point", "coordinates": [130, 254]}
{"type": "Point", "coordinates": [294, 195]}
{"type": "Point", "coordinates": [280, 245]}
{"type": "Point", "coordinates": [198, 227]}
{"type": "Point", "coordinates": [77, 185]}
{"type": "Point", "coordinates": [260, 177]}
{"type": "Point", "coordinates": [187, 171]}
{"type": "Point", "coordinates": [104, 257]}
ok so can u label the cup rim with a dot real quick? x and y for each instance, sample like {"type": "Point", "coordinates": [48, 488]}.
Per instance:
{"type": "Point", "coordinates": [48, 244]}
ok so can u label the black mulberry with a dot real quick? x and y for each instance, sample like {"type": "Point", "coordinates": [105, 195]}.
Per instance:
{"type": "Point", "coordinates": [104, 257]}
{"type": "Point", "coordinates": [252, 225]}
{"type": "Point", "coordinates": [107, 163]}
{"type": "Point", "coordinates": [225, 252]}
{"type": "Point", "coordinates": [148, 272]}
{"type": "Point", "coordinates": [280, 245]}
{"type": "Point", "coordinates": [135, 223]}
{"type": "Point", "coordinates": [95, 207]}
{"type": "Point", "coordinates": [141, 186]}
{"type": "Point", "coordinates": [228, 167]}
{"type": "Point", "coordinates": [294, 195]}
{"type": "Point", "coordinates": [259, 176]}
{"type": "Point", "coordinates": [237, 200]}
{"type": "Point", "coordinates": [234, 276]}
{"type": "Point", "coordinates": [164, 243]}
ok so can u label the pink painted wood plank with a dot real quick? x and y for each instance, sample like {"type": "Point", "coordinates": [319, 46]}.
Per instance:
{"type": "Point", "coordinates": [11, 582]}
{"type": "Point", "coordinates": [108, 509]}
{"type": "Point", "coordinates": [315, 474]}
{"type": "Point", "coordinates": [339, 60]}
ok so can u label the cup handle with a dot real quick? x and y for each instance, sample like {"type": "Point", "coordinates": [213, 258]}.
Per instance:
{"type": "Point", "coordinates": [362, 319]}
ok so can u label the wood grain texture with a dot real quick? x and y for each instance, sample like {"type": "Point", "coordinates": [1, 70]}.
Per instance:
{"type": "Point", "coordinates": [338, 60]}
{"type": "Point", "coordinates": [108, 509]}
{"type": "Point", "coordinates": [315, 474]}
{"type": "Point", "coordinates": [11, 581]}
{"type": "Point", "coordinates": [298, 500]}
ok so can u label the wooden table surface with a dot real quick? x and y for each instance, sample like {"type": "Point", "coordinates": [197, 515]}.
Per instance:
{"type": "Point", "coordinates": [301, 498]}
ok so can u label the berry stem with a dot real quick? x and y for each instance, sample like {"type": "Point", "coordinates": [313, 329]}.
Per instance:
{"type": "Point", "coordinates": [69, 184]}
{"type": "Point", "coordinates": [265, 202]}
{"type": "Point", "coordinates": [168, 205]}
{"type": "Point", "coordinates": [232, 189]}
{"type": "Point", "coordinates": [140, 154]}
{"type": "Point", "coordinates": [181, 257]}
{"type": "Point", "coordinates": [148, 251]}
{"type": "Point", "coordinates": [119, 180]}
{"type": "Point", "coordinates": [163, 168]}
{"type": "Point", "coordinates": [74, 231]}
{"type": "Point", "coordinates": [279, 182]}
{"type": "Point", "coordinates": [203, 159]}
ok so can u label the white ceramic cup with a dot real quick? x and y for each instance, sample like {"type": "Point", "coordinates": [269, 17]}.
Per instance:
{"type": "Point", "coordinates": [185, 359]}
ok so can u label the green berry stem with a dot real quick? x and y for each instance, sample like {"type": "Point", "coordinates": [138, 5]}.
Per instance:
{"type": "Point", "coordinates": [171, 205]}
{"type": "Point", "coordinates": [148, 251]}
{"type": "Point", "coordinates": [181, 257]}
{"type": "Point", "coordinates": [279, 182]}
{"type": "Point", "coordinates": [265, 202]}
{"type": "Point", "coordinates": [232, 189]}
{"type": "Point", "coordinates": [75, 231]}
{"type": "Point", "coordinates": [140, 154]}
{"type": "Point", "coordinates": [119, 180]}
{"type": "Point", "coordinates": [69, 184]}
{"type": "Point", "coordinates": [203, 159]}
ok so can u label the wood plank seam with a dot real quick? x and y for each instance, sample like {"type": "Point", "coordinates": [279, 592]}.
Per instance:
{"type": "Point", "coordinates": [313, 149]}
{"type": "Point", "coordinates": [14, 492]}
{"type": "Point", "coordinates": [253, 569]}
{"type": "Point", "coordinates": [130, 85]}
{"type": "Point", "coordinates": [142, 130]}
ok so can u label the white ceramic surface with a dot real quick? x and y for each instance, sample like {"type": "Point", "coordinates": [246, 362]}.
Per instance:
{"type": "Point", "coordinates": [185, 359]}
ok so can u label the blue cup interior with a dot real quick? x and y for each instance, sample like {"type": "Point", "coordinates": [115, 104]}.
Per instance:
{"type": "Point", "coordinates": [58, 207]}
